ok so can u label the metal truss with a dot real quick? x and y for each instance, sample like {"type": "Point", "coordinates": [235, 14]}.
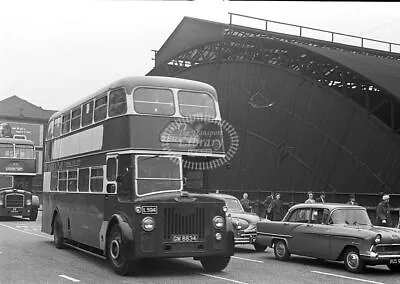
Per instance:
{"type": "Point", "coordinates": [241, 44]}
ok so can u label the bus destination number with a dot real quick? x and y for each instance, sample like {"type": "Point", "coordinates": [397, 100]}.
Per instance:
{"type": "Point", "coordinates": [149, 210]}
{"type": "Point", "coordinates": [185, 238]}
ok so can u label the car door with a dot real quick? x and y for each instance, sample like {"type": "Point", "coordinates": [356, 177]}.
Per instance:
{"type": "Point", "coordinates": [311, 238]}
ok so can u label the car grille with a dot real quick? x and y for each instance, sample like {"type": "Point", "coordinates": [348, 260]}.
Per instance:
{"type": "Point", "coordinates": [14, 200]}
{"type": "Point", "coordinates": [388, 249]}
{"type": "Point", "coordinates": [184, 221]}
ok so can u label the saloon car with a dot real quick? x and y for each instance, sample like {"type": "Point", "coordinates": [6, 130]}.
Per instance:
{"type": "Point", "coordinates": [334, 232]}
{"type": "Point", "coordinates": [243, 223]}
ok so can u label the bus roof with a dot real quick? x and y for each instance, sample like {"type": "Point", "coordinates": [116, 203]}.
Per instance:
{"type": "Point", "coordinates": [15, 141]}
{"type": "Point", "coordinates": [153, 81]}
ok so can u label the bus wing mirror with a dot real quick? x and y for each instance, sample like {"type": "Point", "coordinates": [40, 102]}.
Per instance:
{"type": "Point", "coordinates": [119, 178]}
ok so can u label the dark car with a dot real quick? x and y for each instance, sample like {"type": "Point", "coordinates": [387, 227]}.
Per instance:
{"type": "Point", "coordinates": [332, 231]}
{"type": "Point", "coordinates": [244, 223]}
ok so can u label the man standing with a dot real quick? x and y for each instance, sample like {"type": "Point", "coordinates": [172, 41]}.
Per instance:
{"type": "Point", "coordinates": [352, 200]}
{"type": "Point", "coordinates": [321, 198]}
{"type": "Point", "coordinates": [277, 210]}
{"type": "Point", "coordinates": [267, 203]}
{"type": "Point", "coordinates": [246, 202]}
{"type": "Point", "coordinates": [383, 212]}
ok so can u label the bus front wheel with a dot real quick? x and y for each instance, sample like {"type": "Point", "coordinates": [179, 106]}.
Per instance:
{"type": "Point", "coordinates": [58, 234]}
{"type": "Point", "coordinates": [115, 256]}
{"type": "Point", "coordinates": [215, 263]}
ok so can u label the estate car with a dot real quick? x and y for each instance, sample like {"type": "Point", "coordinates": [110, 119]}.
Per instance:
{"type": "Point", "coordinates": [332, 231]}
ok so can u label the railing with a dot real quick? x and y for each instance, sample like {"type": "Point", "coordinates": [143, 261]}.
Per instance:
{"type": "Point", "coordinates": [301, 30]}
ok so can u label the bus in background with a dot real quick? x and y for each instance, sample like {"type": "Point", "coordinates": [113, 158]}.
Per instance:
{"type": "Point", "coordinates": [17, 169]}
{"type": "Point", "coordinates": [114, 174]}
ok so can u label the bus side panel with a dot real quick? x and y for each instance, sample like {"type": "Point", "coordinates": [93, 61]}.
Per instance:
{"type": "Point", "coordinates": [47, 212]}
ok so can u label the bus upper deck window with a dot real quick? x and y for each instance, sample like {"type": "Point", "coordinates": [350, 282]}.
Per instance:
{"type": "Point", "coordinates": [196, 104]}
{"type": "Point", "coordinates": [153, 101]}
{"type": "Point", "coordinates": [66, 119]}
{"type": "Point", "coordinates": [117, 104]}
{"type": "Point", "coordinates": [57, 127]}
{"type": "Point", "coordinates": [24, 151]}
{"type": "Point", "coordinates": [50, 130]}
{"type": "Point", "coordinates": [87, 113]}
{"type": "Point", "coordinates": [100, 108]}
{"type": "Point", "coordinates": [76, 118]}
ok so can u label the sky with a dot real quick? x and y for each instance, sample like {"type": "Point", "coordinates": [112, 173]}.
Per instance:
{"type": "Point", "coordinates": [53, 53]}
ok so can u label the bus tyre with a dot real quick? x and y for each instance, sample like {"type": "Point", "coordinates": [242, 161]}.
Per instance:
{"type": "Point", "coordinates": [118, 262]}
{"type": "Point", "coordinates": [58, 234]}
{"type": "Point", "coordinates": [214, 263]}
{"type": "Point", "coordinates": [33, 215]}
{"type": "Point", "coordinates": [353, 261]}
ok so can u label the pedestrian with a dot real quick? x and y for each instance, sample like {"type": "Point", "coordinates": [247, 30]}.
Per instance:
{"type": "Point", "coordinates": [277, 209]}
{"type": "Point", "coordinates": [383, 212]}
{"type": "Point", "coordinates": [321, 198]}
{"type": "Point", "coordinates": [267, 203]}
{"type": "Point", "coordinates": [246, 204]}
{"type": "Point", "coordinates": [352, 200]}
{"type": "Point", "coordinates": [310, 198]}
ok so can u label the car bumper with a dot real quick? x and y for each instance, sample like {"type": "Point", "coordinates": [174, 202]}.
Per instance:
{"type": "Point", "coordinates": [245, 238]}
{"type": "Point", "coordinates": [378, 258]}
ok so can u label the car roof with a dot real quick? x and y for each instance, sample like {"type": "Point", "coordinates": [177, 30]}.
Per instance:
{"type": "Point", "coordinates": [329, 206]}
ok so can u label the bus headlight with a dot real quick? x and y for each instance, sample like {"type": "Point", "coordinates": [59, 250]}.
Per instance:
{"type": "Point", "coordinates": [29, 202]}
{"type": "Point", "coordinates": [148, 224]}
{"type": "Point", "coordinates": [1, 200]}
{"type": "Point", "coordinates": [218, 222]}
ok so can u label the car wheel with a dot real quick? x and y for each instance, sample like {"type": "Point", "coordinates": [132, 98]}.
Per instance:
{"type": "Point", "coordinates": [259, 248]}
{"type": "Point", "coordinates": [281, 250]}
{"type": "Point", "coordinates": [33, 216]}
{"type": "Point", "coordinates": [353, 262]}
{"type": "Point", "coordinates": [394, 267]}
{"type": "Point", "coordinates": [214, 263]}
{"type": "Point", "coordinates": [118, 262]}
{"type": "Point", "coordinates": [58, 233]}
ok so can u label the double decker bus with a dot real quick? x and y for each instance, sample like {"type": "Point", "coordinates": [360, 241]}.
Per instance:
{"type": "Point", "coordinates": [17, 169]}
{"type": "Point", "coordinates": [114, 174]}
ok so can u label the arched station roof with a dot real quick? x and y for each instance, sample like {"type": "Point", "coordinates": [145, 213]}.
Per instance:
{"type": "Point", "coordinates": [374, 74]}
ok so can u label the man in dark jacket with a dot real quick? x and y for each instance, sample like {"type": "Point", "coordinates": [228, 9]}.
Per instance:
{"type": "Point", "coordinates": [267, 203]}
{"type": "Point", "coordinates": [277, 209]}
{"type": "Point", "coordinates": [383, 212]}
{"type": "Point", "coordinates": [321, 198]}
{"type": "Point", "coordinates": [246, 204]}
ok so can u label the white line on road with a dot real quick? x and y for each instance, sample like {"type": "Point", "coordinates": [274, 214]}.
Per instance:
{"type": "Point", "coordinates": [69, 278]}
{"type": "Point", "coordinates": [248, 259]}
{"type": "Point", "coordinates": [223, 278]}
{"type": "Point", "coordinates": [42, 236]}
{"type": "Point", "coordinates": [346, 277]}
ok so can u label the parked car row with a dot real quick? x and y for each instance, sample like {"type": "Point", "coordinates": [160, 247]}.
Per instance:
{"type": "Point", "coordinates": [330, 231]}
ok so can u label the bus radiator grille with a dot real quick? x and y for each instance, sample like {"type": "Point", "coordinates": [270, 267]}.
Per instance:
{"type": "Point", "coordinates": [184, 221]}
{"type": "Point", "coordinates": [14, 201]}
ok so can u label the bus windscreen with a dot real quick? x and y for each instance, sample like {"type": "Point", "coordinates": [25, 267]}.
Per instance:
{"type": "Point", "coordinates": [157, 174]}
{"type": "Point", "coordinates": [196, 104]}
{"type": "Point", "coordinates": [153, 101]}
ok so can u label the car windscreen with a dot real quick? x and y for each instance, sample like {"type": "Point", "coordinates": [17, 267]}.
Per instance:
{"type": "Point", "coordinates": [233, 205]}
{"type": "Point", "coordinates": [350, 217]}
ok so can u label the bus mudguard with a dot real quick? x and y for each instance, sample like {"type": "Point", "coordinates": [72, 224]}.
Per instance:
{"type": "Point", "coordinates": [126, 230]}
{"type": "Point", "coordinates": [35, 201]}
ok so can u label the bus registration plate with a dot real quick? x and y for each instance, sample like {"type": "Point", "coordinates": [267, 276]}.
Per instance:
{"type": "Point", "coordinates": [394, 261]}
{"type": "Point", "coordinates": [185, 238]}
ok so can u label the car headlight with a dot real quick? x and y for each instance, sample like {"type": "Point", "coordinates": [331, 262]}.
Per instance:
{"type": "Point", "coordinates": [218, 222]}
{"type": "Point", "coordinates": [148, 224]}
{"type": "Point", "coordinates": [240, 224]}
{"type": "Point", "coordinates": [378, 239]}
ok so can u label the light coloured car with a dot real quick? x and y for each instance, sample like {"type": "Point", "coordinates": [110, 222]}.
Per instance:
{"type": "Point", "coordinates": [243, 223]}
{"type": "Point", "coordinates": [332, 231]}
